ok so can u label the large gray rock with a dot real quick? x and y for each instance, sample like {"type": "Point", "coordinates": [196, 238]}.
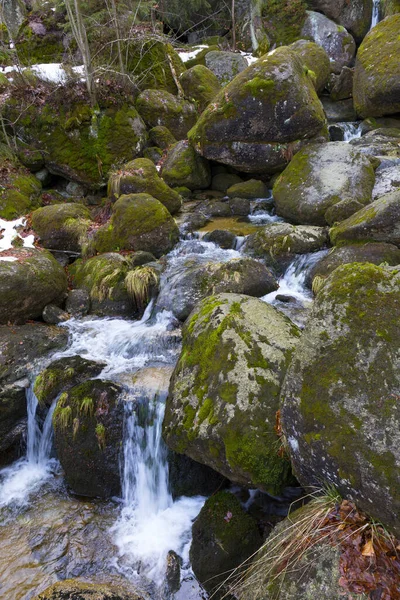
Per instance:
{"type": "Point", "coordinates": [158, 107]}
{"type": "Point", "coordinates": [200, 84]}
{"type": "Point", "coordinates": [338, 43]}
{"type": "Point", "coordinates": [30, 281]}
{"type": "Point", "coordinates": [184, 167]}
{"type": "Point", "coordinates": [223, 400]}
{"type": "Point", "coordinates": [340, 410]}
{"type": "Point", "coordinates": [225, 65]}
{"type": "Point", "coordinates": [256, 122]}
{"type": "Point", "coordinates": [377, 222]}
{"type": "Point", "coordinates": [316, 60]}
{"type": "Point", "coordinates": [72, 589]}
{"type": "Point", "coordinates": [355, 16]}
{"type": "Point", "coordinates": [323, 184]}
{"type": "Point", "coordinates": [62, 226]}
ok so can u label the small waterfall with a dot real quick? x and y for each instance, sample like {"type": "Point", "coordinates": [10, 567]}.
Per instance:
{"type": "Point", "coordinates": [351, 131]}
{"type": "Point", "coordinates": [19, 480]}
{"type": "Point", "coordinates": [375, 13]}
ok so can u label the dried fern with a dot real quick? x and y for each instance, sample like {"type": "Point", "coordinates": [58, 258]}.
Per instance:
{"type": "Point", "coordinates": [140, 283]}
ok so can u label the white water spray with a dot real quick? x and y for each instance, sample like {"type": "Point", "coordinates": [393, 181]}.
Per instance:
{"type": "Point", "coordinates": [375, 13]}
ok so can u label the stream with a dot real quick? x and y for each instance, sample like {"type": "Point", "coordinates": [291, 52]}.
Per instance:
{"type": "Point", "coordinates": [47, 534]}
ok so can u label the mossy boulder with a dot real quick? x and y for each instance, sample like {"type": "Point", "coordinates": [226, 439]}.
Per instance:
{"type": "Point", "coordinates": [223, 399]}
{"type": "Point", "coordinates": [323, 184]}
{"type": "Point", "coordinates": [4, 83]}
{"type": "Point", "coordinates": [157, 107]}
{"type": "Point", "coordinates": [262, 117]}
{"type": "Point", "coordinates": [221, 237]}
{"type": "Point", "coordinates": [181, 291]}
{"type": "Point", "coordinates": [200, 58]}
{"type": "Point", "coordinates": [315, 60]}
{"type": "Point", "coordinates": [78, 142]}
{"type": "Point", "coordinates": [28, 282]}
{"type": "Point", "coordinates": [190, 478]}
{"type": "Point", "coordinates": [224, 536]}
{"type": "Point", "coordinates": [161, 136]}
{"type": "Point", "coordinates": [340, 398]}
{"type": "Point", "coordinates": [88, 424]}
{"type": "Point", "coordinates": [375, 253]}
{"type": "Point", "coordinates": [251, 189]}
{"type": "Point", "coordinates": [390, 7]}
{"type": "Point", "coordinates": [19, 190]}
{"type": "Point", "coordinates": [62, 226]}
{"type": "Point", "coordinates": [63, 374]}
{"type": "Point", "coordinates": [139, 176]}
{"type": "Point", "coordinates": [225, 65]}
{"type": "Point", "coordinates": [338, 43]}
{"type": "Point", "coordinates": [221, 182]}
{"type": "Point", "coordinates": [200, 85]}
{"type": "Point", "coordinates": [278, 243]}
{"type": "Point", "coordinates": [75, 589]}
{"type": "Point", "coordinates": [376, 88]}
{"type": "Point", "coordinates": [377, 222]}
{"type": "Point", "coordinates": [139, 223]}
{"type": "Point", "coordinates": [355, 16]}
{"type": "Point", "coordinates": [21, 349]}
{"type": "Point", "coordinates": [280, 20]}
{"type": "Point", "coordinates": [184, 167]}
{"type": "Point", "coordinates": [37, 44]}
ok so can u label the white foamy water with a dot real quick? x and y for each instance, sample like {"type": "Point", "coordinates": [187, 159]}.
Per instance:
{"type": "Point", "coordinates": [375, 13]}
{"type": "Point", "coordinates": [9, 232]}
{"type": "Point", "coordinates": [351, 131]}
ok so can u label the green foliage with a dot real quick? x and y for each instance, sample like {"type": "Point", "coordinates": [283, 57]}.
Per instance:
{"type": "Point", "coordinates": [186, 16]}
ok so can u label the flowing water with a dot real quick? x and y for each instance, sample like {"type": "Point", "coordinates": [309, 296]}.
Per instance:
{"type": "Point", "coordinates": [351, 131]}
{"type": "Point", "coordinates": [375, 13]}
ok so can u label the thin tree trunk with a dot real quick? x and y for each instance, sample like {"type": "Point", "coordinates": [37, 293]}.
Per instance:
{"type": "Point", "coordinates": [118, 34]}
{"type": "Point", "coordinates": [233, 26]}
{"type": "Point", "coordinates": [79, 33]}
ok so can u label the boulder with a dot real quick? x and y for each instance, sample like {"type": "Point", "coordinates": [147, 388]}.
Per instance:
{"type": "Point", "coordinates": [225, 65]}
{"type": "Point", "coordinates": [342, 110]}
{"type": "Point", "coordinates": [140, 223]}
{"type": "Point", "coordinates": [316, 61]}
{"type": "Point", "coordinates": [62, 374]}
{"type": "Point", "coordinates": [275, 23]}
{"type": "Point", "coordinates": [340, 397]}
{"type": "Point", "coordinates": [355, 16]}
{"type": "Point", "coordinates": [78, 303]}
{"type": "Point", "coordinates": [251, 189]}
{"type": "Point", "coordinates": [62, 226]}
{"type": "Point", "coordinates": [161, 137]}
{"type": "Point", "coordinates": [19, 189]}
{"type": "Point", "coordinates": [278, 243]}
{"type": "Point", "coordinates": [21, 348]}
{"type": "Point", "coordinates": [255, 123]}
{"type": "Point", "coordinates": [379, 143]}
{"type": "Point", "coordinates": [376, 89]}
{"type": "Point", "coordinates": [74, 589]}
{"type": "Point", "coordinates": [222, 238]}
{"type": "Point", "coordinates": [323, 184]}
{"type": "Point", "coordinates": [88, 429]}
{"type": "Point", "coordinates": [377, 222]}
{"type": "Point", "coordinates": [338, 43]}
{"type": "Point", "coordinates": [390, 7]}
{"type": "Point", "coordinates": [181, 291]}
{"type": "Point", "coordinates": [200, 85]}
{"type": "Point", "coordinates": [141, 176]}
{"type": "Point", "coordinates": [184, 167]}
{"type": "Point", "coordinates": [222, 181]}
{"type": "Point", "coordinates": [190, 478]}
{"type": "Point", "coordinates": [224, 536]}
{"type": "Point", "coordinates": [53, 314]}
{"type": "Point", "coordinates": [387, 178]}
{"type": "Point", "coordinates": [341, 86]}
{"type": "Point", "coordinates": [223, 399]}
{"type": "Point", "coordinates": [28, 282]}
{"type": "Point", "coordinates": [162, 108]}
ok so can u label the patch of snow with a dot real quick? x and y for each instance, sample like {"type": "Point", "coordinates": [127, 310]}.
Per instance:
{"type": "Point", "coordinates": [9, 232]}
{"type": "Point", "coordinates": [249, 57]}
{"type": "Point", "coordinates": [185, 56]}
{"type": "Point", "coordinates": [50, 72]}
{"type": "Point", "coordinates": [8, 258]}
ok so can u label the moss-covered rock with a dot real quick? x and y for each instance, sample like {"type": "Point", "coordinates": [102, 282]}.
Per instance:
{"type": "Point", "coordinates": [221, 409]}
{"type": "Point", "coordinates": [4, 83]}
{"type": "Point", "coordinates": [62, 226]}
{"type": "Point", "coordinates": [88, 422]}
{"type": "Point", "coordinates": [19, 190]}
{"type": "Point", "coordinates": [80, 143]}
{"type": "Point", "coordinates": [377, 222]}
{"type": "Point", "coordinates": [162, 137]}
{"type": "Point", "coordinates": [316, 61]}
{"type": "Point", "coordinates": [200, 58]}
{"type": "Point", "coordinates": [355, 16]}
{"type": "Point", "coordinates": [390, 7]}
{"type": "Point", "coordinates": [29, 279]}
{"type": "Point", "coordinates": [278, 243]}
{"type": "Point", "coordinates": [139, 222]}
{"type": "Point", "coordinates": [225, 65]}
{"type": "Point", "coordinates": [256, 122]}
{"type": "Point", "coordinates": [183, 290]}
{"type": "Point", "coordinates": [338, 43]}
{"type": "Point", "coordinates": [184, 167]}
{"type": "Point", "coordinates": [190, 478]}
{"type": "Point", "coordinates": [224, 536]}
{"type": "Point", "coordinates": [36, 44]}
{"type": "Point", "coordinates": [251, 189]}
{"type": "Point", "coordinates": [139, 176]}
{"type": "Point", "coordinates": [157, 107]}
{"type": "Point", "coordinates": [376, 89]}
{"type": "Point", "coordinates": [282, 21]}
{"type": "Point", "coordinates": [200, 85]}
{"type": "Point", "coordinates": [222, 181]}
{"type": "Point", "coordinates": [63, 374]}
{"type": "Point", "coordinates": [340, 398]}
{"type": "Point", "coordinates": [323, 184]}
{"type": "Point", "coordinates": [74, 589]}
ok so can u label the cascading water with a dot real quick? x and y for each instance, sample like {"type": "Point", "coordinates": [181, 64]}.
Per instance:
{"type": "Point", "coordinates": [375, 13]}
{"type": "Point", "coordinates": [351, 131]}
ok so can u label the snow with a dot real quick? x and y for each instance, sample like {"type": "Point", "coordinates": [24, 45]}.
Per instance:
{"type": "Point", "coordinates": [8, 233]}
{"type": "Point", "coordinates": [51, 72]}
{"type": "Point", "coordinates": [185, 56]}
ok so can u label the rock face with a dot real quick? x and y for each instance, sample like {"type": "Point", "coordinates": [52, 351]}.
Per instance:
{"type": "Point", "coordinates": [377, 222]}
{"type": "Point", "coordinates": [334, 39]}
{"type": "Point", "coordinates": [376, 89]}
{"type": "Point", "coordinates": [62, 226]}
{"type": "Point", "coordinates": [74, 589]}
{"type": "Point", "coordinates": [19, 189]}
{"type": "Point", "coordinates": [33, 279]}
{"type": "Point", "coordinates": [141, 176]}
{"type": "Point", "coordinates": [262, 113]}
{"type": "Point", "coordinates": [223, 397]}
{"type": "Point", "coordinates": [190, 478]}
{"type": "Point", "coordinates": [200, 85]}
{"type": "Point", "coordinates": [323, 184]}
{"type": "Point", "coordinates": [225, 65]}
{"type": "Point", "coordinates": [316, 60]}
{"type": "Point", "coordinates": [184, 167]}
{"type": "Point", "coordinates": [355, 16]}
{"type": "Point", "coordinates": [88, 422]}
{"type": "Point", "coordinates": [224, 536]}
{"type": "Point", "coordinates": [162, 108]}
{"type": "Point", "coordinates": [138, 222]}
{"type": "Point", "coordinates": [182, 291]}
{"type": "Point", "coordinates": [20, 347]}
{"type": "Point", "coordinates": [340, 397]}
